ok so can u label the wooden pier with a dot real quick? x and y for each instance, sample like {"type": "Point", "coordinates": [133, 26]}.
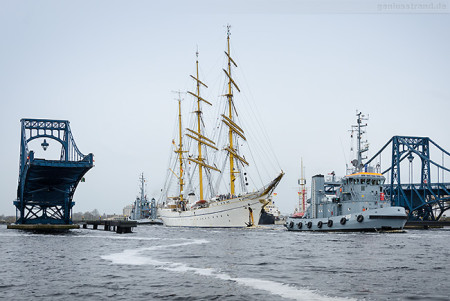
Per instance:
{"type": "Point", "coordinates": [43, 227]}
{"type": "Point", "coordinates": [118, 226]}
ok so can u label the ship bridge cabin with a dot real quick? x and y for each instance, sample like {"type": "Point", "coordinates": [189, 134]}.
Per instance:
{"type": "Point", "coordinates": [362, 185]}
{"type": "Point", "coordinates": [362, 191]}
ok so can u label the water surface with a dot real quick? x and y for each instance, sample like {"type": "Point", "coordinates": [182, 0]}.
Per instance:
{"type": "Point", "coordinates": [159, 263]}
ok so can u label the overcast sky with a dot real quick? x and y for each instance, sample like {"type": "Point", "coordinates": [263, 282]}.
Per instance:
{"type": "Point", "coordinates": [109, 67]}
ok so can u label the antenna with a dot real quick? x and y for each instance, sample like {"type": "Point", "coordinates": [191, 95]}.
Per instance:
{"type": "Point", "coordinates": [179, 92]}
{"type": "Point", "coordinates": [228, 30]}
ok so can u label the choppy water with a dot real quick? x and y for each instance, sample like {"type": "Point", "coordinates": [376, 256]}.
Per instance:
{"type": "Point", "coordinates": [159, 263]}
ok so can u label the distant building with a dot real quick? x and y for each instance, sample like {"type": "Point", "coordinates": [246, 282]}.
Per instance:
{"type": "Point", "coordinates": [127, 210]}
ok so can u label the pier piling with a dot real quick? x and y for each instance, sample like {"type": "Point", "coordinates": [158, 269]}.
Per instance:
{"type": "Point", "coordinates": [116, 226]}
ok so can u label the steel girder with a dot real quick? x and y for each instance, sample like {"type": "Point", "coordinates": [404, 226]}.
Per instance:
{"type": "Point", "coordinates": [420, 200]}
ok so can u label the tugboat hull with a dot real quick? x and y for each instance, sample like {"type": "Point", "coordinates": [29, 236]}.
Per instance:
{"type": "Point", "coordinates": [381, 219]}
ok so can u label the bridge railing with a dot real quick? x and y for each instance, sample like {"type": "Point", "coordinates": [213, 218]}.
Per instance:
{"type": "Point", "coordinates": [58, 130]}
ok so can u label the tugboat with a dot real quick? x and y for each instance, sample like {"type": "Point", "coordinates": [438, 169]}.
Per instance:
{"type": "Point", "coordinates": [355, 203]}
{"type": "Point", "coordinates": [269, 213]}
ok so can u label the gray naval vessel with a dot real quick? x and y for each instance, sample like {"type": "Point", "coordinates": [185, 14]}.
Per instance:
{"type": "Point", "coordinates": [355, 203]}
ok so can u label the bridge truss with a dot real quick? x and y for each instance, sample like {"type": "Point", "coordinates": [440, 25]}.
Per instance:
{"type": "Point", "coordinates": [46, 187]}
{"type": "Point", "coordinates": [426, 199]}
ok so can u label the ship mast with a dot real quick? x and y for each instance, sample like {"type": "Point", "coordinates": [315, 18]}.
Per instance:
{"type": "Point", "coordinates": [229, 120]}
{"type": "Point", "coordinates": [357, 163]}
{"type": "Point", "coordinates": [201, 139]}
{"type": "Point", "coordinates": [179, 150]}
{"type": "Point", "coordinates": [142, 191]}
{"type": "Point", "coordinates": [139, 200]}
{"type": "Point", "coordinates": [303, 188]}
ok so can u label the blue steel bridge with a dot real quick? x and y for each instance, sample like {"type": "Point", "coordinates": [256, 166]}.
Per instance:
{"type": "Point", "coordinates": [427, 198]}
{"type": "Point", "coordinates": [46, 187]}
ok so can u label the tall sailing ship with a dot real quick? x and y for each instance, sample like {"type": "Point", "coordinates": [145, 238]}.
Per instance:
{"type": "Point", "coordinates": [190, 207]}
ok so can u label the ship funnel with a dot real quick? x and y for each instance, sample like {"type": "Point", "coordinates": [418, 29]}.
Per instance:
{"type": "Point", "coordinates": [317, 190]}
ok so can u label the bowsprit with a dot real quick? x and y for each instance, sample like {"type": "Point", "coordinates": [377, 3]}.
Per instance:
{"type": "Point", "coordinates": [46, 187]}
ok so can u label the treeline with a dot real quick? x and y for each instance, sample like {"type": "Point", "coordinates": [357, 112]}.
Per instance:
{"type": "Point", "coordinates": [7, 219]}
{"type": "Point", "coordinates": [86, 216]}
{"type": "Point", "coordinates": [77, 216]}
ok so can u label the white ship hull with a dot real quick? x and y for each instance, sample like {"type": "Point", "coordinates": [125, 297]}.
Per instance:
{"type": "Point", "coordinates": [230, 213]}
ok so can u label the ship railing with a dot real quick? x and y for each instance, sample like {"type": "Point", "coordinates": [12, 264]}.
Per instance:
{"type": "Point", "coordinates": [333, 179]}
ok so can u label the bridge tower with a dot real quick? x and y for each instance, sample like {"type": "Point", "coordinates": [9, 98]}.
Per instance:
{"type": "Point", "coordinates": [426, 200]}
{"type": "Point", "coordinates": [46, 187]}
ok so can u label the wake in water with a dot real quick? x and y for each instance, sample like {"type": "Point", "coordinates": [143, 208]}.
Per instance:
{"type": "Point", "coordinates": [136, 257]}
